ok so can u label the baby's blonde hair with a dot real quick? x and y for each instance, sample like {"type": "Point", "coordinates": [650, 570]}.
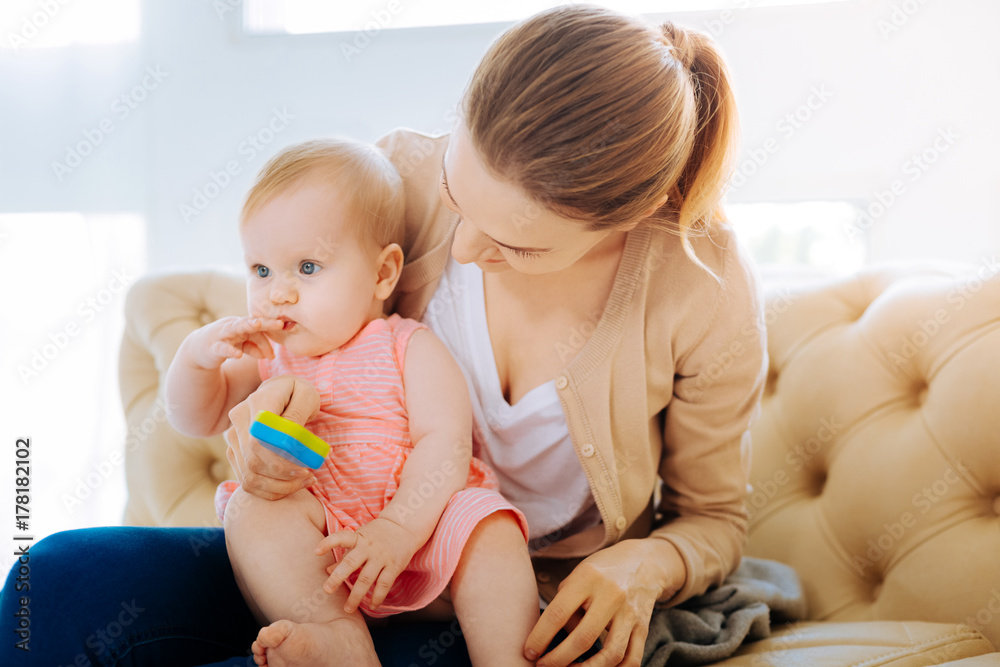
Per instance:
{"type": "Point", "coordinates": [359, 170]}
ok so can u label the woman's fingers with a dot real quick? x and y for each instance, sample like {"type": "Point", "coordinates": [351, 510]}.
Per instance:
{"type": "Point", "coordinates": [621, 646]}
{"type": "Point", "coordinates": [260, 471]}
{"type": "Point", "coordinates": [556, 615]}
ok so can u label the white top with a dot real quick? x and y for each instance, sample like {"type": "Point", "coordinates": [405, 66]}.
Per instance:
{"type": "Point", "coordinates": [527, 444]}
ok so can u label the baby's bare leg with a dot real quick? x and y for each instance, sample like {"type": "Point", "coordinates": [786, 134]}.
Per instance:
{"type": "Point", "coordinates": [271, 546]}
{"type": "Point", "coordinates": [494, 592]}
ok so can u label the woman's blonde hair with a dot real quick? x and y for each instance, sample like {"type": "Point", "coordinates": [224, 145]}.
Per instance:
{"type": "Point", "coordinates": [359, 170]}
{"type": "Point", "coordinates": [598, 116]}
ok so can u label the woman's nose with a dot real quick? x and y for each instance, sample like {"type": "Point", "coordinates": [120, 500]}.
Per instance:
{"type": "Point", "coordinates": [470, 244]}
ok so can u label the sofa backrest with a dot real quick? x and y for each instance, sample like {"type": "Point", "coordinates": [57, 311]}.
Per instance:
{"type": "Point", "coordinates": [876, 459]}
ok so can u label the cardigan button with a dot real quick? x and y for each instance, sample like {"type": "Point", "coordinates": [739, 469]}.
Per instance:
{"type": "Point", "coordinates": [588, 450]}
{"type": "Point", "coordinates": [621, 522]}
{"type": "Point", "coordinates": [561, 382]}
{"type": "Point", "coordinates": [543, 577]}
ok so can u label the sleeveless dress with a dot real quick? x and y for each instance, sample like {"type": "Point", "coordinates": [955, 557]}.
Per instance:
{"type": "Point", "coordinates": [363, 418]}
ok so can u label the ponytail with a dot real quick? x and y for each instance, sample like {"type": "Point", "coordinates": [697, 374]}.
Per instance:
{"type": "Point", "coordinates": [703, 180]}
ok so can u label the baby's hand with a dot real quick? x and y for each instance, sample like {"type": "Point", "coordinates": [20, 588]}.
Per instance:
{"type": "Point", "coordinates": [232, 337]}
{"type": "Point", "coordinates": [382, 549]}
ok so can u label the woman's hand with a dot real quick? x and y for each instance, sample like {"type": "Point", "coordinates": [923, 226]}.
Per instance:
{"type": "Point", "coordinates": [381, 549]}
{"type": "Point", "coordinates": [613, 589]}
{"type": "Point", "coordinates": [259, 470]}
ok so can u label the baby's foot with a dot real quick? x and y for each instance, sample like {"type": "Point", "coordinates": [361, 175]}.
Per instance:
{"type": "Point", "coordinates": [339, 642]}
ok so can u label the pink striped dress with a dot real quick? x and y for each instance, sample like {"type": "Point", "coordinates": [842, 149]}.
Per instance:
{"type": "Point", "coordinates": [363, 418]}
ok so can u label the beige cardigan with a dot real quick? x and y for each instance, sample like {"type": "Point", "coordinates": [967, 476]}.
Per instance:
{"type": "Point", "coordinates": [664, 389]}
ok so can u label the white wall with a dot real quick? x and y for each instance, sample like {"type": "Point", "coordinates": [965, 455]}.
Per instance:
{"type": "Point", "coordinates": [891, 95]}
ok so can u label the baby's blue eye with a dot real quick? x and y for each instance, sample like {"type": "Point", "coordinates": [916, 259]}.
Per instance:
{"type": "Point", "coordinates": [263, 272]}
{"type": "Point", "coordinates": [309, 268]}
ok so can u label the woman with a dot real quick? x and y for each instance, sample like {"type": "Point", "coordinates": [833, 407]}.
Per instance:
{"type": "Point", "coordinates": [579, 199]}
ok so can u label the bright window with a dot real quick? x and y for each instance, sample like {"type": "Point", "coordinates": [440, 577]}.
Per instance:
{"type": "Point", "coordinates": [310, 16]}
{"type": "Point", "coordinates": [66, 275]}
{"type": "Point", "coordinates": [801, 239]}
{"type": "Point", "coordinates": [53, 23]}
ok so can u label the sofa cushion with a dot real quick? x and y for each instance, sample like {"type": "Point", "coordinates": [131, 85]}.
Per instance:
{"type": "Point", "coordinates": [876, 470]}
{"type": "Point", "coordinates": [881, 643]}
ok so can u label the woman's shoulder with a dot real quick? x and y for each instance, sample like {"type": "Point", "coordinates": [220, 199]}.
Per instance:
{"type": "Point", "coordinates": [680, 294]}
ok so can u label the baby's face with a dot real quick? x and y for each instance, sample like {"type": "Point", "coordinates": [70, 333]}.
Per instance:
{"type": "Point", "coordinates": [307, 265]}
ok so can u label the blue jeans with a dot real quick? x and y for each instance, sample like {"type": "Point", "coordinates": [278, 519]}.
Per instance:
{"type": "Point", "coordinates": [159, 596]}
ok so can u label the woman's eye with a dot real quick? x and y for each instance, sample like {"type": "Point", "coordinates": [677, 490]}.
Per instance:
{"type": "Point", "coordinates": [263, 272]}
{"type": "Point", "coordinates": [309, 268]}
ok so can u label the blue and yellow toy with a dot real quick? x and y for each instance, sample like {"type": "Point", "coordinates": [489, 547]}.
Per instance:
{"type": "Point", "coordinates": [289, 440]}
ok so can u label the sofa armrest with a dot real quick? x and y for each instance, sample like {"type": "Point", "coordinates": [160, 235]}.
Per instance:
{"type": "Point", "coordinates": [171, 478]}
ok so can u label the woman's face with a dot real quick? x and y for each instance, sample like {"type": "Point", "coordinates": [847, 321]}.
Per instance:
{"type": "Point", "coordinates": [501, 229]}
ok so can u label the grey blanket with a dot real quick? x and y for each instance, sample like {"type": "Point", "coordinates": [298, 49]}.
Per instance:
{"type": "Point", "coordinates": [712, 626]}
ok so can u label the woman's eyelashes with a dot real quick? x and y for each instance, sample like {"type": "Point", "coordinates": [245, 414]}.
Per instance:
{"type": "Point", "coordinates": [521, 253]}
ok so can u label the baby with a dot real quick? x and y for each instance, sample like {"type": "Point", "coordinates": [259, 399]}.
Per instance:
{"type": "Point", "coordinates": [401, 515]}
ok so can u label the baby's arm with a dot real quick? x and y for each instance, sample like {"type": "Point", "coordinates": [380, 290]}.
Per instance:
{"type": "Point", "coordinates": [440, 414]}
{"type": "Point", "coordinates": [214, 370]}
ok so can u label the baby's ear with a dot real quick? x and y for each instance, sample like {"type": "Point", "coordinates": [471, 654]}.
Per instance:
{"type": "Point", "coordinates": [389, 265]}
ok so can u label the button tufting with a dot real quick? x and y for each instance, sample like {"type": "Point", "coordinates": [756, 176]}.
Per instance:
{"type": "Point", "coordinates": [996, 505]}
{"type": "Point", "coordinates": [921, 394]}
{"type": "Point", "coordinates": [219, 470]}
{"type": "Point", "coordinates": [877, 591]}
{"type": "Point", "coordinates": [819, 482]}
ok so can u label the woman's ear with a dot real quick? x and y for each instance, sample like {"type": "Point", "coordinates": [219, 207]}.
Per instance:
{"type": "Point", "coordinates": [657, 206]}
{"type": "Point", "coordinates": [650, 211]}
{"type": "Point", "coordinates": [389, 265]}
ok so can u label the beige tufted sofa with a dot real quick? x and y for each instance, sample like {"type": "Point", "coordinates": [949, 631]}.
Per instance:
{"type": "Point", "coordinates": [876, 467]}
